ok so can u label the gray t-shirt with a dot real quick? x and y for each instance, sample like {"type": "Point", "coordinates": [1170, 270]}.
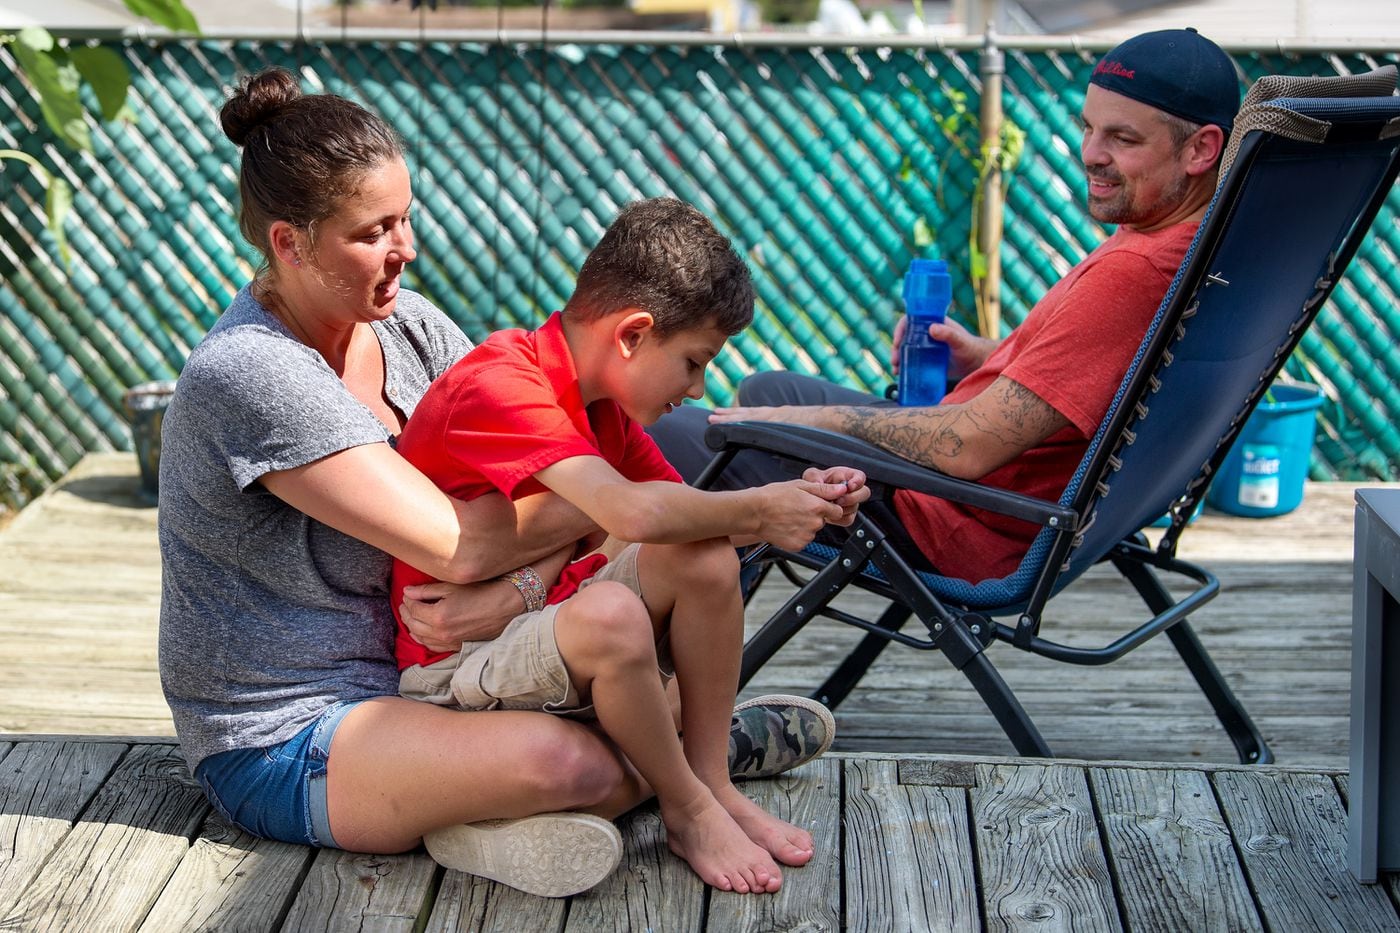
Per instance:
{"type": "Point", "coordinates": [268, 617]}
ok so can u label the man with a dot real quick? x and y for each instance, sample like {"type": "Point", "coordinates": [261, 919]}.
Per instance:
{"type": "Point", "coordinates": [1156, 115]}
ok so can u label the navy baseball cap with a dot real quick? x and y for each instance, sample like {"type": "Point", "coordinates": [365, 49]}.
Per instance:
{"type": "Point", "coordinates": [1178, 71]}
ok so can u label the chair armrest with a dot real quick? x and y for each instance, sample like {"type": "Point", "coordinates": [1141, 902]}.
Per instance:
{"type": "Point", "coordinates": [816, 447]}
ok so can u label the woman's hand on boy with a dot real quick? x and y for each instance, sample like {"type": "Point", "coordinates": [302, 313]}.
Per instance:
{"type": "Point", "coordinates": [443, 615]}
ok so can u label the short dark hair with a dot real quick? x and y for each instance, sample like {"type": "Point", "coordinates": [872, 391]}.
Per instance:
{"type": "Point", "coordinates": [1180, 129]}
{"type": "Point", "coordinates": [665, 257]}
{"type": "Point", "coordinates": [304, 155]}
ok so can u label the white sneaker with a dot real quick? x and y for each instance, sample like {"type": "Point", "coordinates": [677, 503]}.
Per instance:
{"type": "Point", "coordinates": [550, 854]}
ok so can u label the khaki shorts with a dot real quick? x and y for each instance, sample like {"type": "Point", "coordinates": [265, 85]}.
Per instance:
{"type": "Point", "coordinates": [520, 668]}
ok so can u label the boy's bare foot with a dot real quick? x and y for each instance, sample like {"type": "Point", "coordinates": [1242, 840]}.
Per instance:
{"type": "Point", "coordinates": [718, 849]}
{"type": "Point", "coordinates": [784, 841]}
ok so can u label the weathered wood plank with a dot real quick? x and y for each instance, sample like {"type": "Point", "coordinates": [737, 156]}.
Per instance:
{"type": "Point", "coordinates": [1171, 852]}
{"type": "Point", "coordinates": [229, 882]}
{"type": "Point", "coordinates": [108, 870]}
{"type": "Point", "coordinates": [43, 788]}
{"type": "Point", "coordinates": [466, 902]}
{"type": "Point", "coordinates": [908, 854]}
{"type": "Point", "coordinates": [651, 890]}
{"type": "Point", "coordinates": [938, 772]}
{"type": "Point", "coordinates": [352, 891]}
{"type": "Point", "coordinates": [1038, 848]}
{"type": "Point", "coordinates": [1291, 833]}
{"type": "Point", "coordinates": [810, 898]}
{"type": "Point", "coordinates": [1143, 706]}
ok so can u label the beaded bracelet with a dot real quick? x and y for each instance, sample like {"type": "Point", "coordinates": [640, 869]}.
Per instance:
{"type": "Point", "coordinates": [531, 587]}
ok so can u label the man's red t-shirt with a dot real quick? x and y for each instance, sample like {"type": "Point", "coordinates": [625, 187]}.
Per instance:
{"type": "Point", "coordinates": [505, 411]}
{"type": "Point", "coordinates": [1071, 351]}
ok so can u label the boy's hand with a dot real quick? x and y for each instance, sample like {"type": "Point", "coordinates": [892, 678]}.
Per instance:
{"type": "Point", "coordinates": [791, 513]}
{"type": "Point", "coordinates": [856, 489]}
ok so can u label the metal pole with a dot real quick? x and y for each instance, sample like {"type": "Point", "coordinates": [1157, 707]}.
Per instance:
{"type": "Point", "coordinates": [992, 65]}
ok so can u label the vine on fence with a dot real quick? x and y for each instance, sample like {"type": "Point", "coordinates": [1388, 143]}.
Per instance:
{"type": "Point", "coordinates": [58, 73]}
{"type": "Point", "coordinates": [962, 127]}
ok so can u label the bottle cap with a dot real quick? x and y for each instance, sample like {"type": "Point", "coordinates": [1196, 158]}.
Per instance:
{"type": "Point", "coordinates": [928, 266]}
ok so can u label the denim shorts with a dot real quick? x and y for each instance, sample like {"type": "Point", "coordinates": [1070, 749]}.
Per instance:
{"type": "Point", "coordinates": [278, 792]}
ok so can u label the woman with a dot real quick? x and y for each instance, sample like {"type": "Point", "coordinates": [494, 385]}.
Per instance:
{"type": "Point", "coordinates": [282, 500]}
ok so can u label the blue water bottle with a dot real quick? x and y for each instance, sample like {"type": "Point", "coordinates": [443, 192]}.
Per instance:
{"type": "Point", "coordinates": [923, 361]}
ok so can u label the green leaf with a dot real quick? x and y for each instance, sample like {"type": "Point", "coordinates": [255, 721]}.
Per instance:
{"type": "Point", "coordinates": [172, 14]}
{"type": "Point", "coordinates": [977, 264]}
{"type": "Point", "coordinates": [57, 204]}
{"type": "Point", "coordinates": [106, 71]}
{"type": "Point", "coordinates": [36, 38]}
{"type": "Point", "coordinates": [56, 80]}
{"type": "Point", "coordinates": [57, 200]}
{"type": "Point", "coordinates": [923, 233]}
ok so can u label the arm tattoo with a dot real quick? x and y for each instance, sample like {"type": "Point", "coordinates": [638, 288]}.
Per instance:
{"type": "Point", "coordinates": [1029, 419]}
{"type": "Point", "coordinates": [1015, 420]}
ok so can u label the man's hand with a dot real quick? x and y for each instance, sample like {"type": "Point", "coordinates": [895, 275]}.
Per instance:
{"type": "Point", "coordinates": [897, 342]}
{"type": "Point", "coordinates": [443, 615]}
{"type": "Point", "coordinates": [966, 350]}
{"type": "Point", "coordinates": [856, 489]}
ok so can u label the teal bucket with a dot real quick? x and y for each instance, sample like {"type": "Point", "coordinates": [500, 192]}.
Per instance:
{"type": "Point", "coordinates": [1264, 472]}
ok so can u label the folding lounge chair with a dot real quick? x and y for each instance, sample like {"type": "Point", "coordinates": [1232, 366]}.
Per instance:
{"type": "Point", "coordinates": [1310, 162]}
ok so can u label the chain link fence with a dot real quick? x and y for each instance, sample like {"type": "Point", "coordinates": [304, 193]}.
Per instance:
{"type": "Point", "coordinates": [829, 167]}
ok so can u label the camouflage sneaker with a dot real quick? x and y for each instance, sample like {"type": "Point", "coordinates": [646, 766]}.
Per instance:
{"type": "Point", "coordinates": [776, 733]}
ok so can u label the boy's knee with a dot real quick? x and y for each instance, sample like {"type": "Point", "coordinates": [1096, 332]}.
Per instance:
{"type": "Point", "coordinates": [716, 561]}
{"type": "Point", "coordinates": [710, 563]}
{"type": "Point", "coordinates": [611, 621]}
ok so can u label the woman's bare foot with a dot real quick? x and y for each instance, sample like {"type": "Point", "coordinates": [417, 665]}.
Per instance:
{"type": "Point", "coordinates": [718, 849]}
{"type": "Point", "coordinates": [785, 842]}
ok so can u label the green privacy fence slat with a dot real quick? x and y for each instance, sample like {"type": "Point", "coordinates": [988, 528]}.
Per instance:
{"type": "Point", "coordinates": [820, 163]}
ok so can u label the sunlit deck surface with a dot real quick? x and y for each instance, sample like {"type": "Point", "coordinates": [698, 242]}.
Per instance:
{"type": "Point", "coordinates": [1144, 822]}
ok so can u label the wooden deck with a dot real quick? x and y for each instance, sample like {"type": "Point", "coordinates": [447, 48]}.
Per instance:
{"type": "Point", "coordinates": [102, 830]}
{"type": "Point", "coordinates": [111, 836]}
{"type": "Point", "coordinates": [79, 598]}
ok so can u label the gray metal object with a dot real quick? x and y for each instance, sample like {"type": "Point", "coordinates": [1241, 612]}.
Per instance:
{"type": "Point", "coordinates": [1374, 811]}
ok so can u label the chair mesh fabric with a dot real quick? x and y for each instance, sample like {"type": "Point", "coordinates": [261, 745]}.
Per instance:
{"type": "Point", "coordinates": [1378, 83]}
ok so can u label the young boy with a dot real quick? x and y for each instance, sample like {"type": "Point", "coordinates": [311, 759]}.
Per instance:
{"type": "Point", "coordinates": [561, 409]}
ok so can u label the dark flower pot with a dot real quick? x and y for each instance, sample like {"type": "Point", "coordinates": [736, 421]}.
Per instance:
{"type": "Point", "coordinates": [145, 408]}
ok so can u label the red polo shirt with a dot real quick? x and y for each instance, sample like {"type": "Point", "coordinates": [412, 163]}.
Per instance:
{"type": "Point", "coordinates": [1071, 351]}
{"type": "Point", "coordinates": [505, 411]}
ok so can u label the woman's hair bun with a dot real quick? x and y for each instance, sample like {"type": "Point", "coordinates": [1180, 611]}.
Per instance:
{"type": "Point", "coordinates": [257, 99]}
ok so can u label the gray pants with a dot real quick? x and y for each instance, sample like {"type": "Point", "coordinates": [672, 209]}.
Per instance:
{"type": "Point", "coordinates": [681, 434]}
{"type": "Point", "coordinates": [681, 437]}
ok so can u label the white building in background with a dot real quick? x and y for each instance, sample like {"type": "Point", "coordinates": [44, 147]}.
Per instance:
{"type": "Point", "coordinates": [1374, 22]}
{"type": "Point", "coordinates": [1369, 22]}
{"type": "Point", "coordinates": [213, 15]}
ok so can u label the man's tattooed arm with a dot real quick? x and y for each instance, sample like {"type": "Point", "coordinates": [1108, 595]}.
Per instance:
{"type": "Point", "coordinates": [969, 439]}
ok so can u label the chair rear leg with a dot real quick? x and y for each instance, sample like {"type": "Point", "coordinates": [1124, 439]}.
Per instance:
{"type": "Point", "coordinates": [1249, 742]}
{"type": "Point", "coordinates": [1009, 713]}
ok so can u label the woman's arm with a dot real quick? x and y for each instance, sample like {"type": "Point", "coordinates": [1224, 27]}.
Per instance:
{"type": "Point", "coordinates": [371, 493]}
